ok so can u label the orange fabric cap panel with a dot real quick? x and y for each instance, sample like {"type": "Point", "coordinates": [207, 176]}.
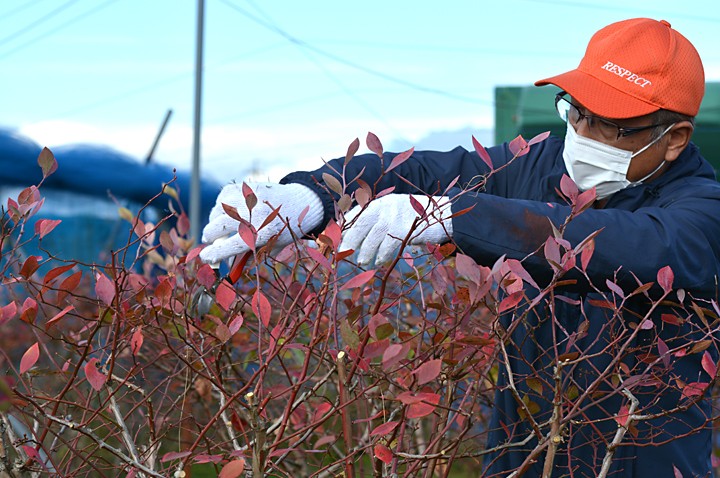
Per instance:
{"type": "Point", "coordinates": [635, 67]}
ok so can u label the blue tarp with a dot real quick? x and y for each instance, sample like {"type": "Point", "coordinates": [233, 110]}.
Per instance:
{"type": "Point", "coordinates": [78, 194]}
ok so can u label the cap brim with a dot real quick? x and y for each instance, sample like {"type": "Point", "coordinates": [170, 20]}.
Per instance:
{"type": "Point", "coordinates": [598, 97]}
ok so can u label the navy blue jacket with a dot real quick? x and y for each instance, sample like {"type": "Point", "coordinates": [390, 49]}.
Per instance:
{"type": "Point", "coordinates": [672, 221]}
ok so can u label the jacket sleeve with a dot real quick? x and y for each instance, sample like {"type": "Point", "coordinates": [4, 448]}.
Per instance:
{"type": "Point", "coordinates": [634, 244]}
{"type": "Point", "coordinates": [511, 216]}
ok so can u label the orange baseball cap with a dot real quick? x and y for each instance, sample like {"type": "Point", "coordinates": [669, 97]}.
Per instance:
{"type": "Point", "coordinates": [636, 67]}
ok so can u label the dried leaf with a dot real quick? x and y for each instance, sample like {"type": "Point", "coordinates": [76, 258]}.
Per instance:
{"type": "Point", "coordinates": [46, 161]}
{"type": "Point", "coordinates": [333, 183]}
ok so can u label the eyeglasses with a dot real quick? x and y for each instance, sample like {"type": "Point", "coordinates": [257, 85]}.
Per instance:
{"type": "Point", "coordinates": [607, 129]}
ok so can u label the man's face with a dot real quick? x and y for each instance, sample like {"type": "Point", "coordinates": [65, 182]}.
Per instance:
{"type": "Point", "coordinates": [605, 130]}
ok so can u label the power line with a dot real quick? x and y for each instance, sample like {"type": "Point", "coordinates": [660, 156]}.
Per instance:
{"type": "Point", "coordinates": [37, 23]}
{"type": "Point", "coordinates": [351, 64]}
{"type": "Point", "coordinates": [334, 78]}
{"type": "Point", "coordinates": [21, 8]}
{"type": "Point", "coordinates": [58, 28]}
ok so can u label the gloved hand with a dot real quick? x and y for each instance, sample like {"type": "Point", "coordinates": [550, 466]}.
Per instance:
{"type": "Point", "coordinates": [222, 230]}
{"type": "Point", "coordinates": [380, 228]}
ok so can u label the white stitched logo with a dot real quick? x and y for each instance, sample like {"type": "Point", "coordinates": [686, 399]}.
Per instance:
{"type": "Point", "coordinates": [627, 74]}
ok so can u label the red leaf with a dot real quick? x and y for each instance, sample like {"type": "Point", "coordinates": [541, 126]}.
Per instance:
{"type": "Point", "coordinates": [482, 152]}
{"type": "Point", "coordinates": [374, 144]}
{"type": "Point", "coordinates": [677, 473]}
{"type": "Point", "coordinates": [235, 324]}
{"type": "Point", "coordinates": [58, 316]}
{"type": "Point", "coordinates": [419, 209]}
{"type": "Point", "coordinates": [709, 365]}
{"type": "Point", "coordinates": [428, 371]}
{"type": "Point", "coordinates": [194, 253]}
{"type": "Point", "coordinates": [468, 268]}
{"type": "Point", "coordinates": [250, 197]}
{"type": "Point", "coordinates": [57, 271]}
{"type": "Point", "coordinates": [383, 453]}
{"type": "Point", "coordinates": [205, 458]}
{"type": "Point", "coordinates": [694, 389]}
{"type": "Point", "coordinates": [352, 149]}
{"type": "Point", "coordinates": [44, 226]}
{"type": "Point", "coordinates": [399, 159]}
{"type": "Point", "coordinates": [384, 429]}
{"type": "Point", "coordinates": [510, 301]}
{"type": "Point", "coordinates": [247, 234]}
{"type": "Point", "coordinates": [622, 416]}
{"type": "Point", "coordinates": [665, 278]}
{"type": "Point", "coordinates": [392, 355]}
{"type": "Point", "coordinates": [333, 231]}
{"type": "Point", "coordinates": [426, 407]}
{"type": "Point", "coordinates": [516, 267]}
{"type": "Point", "coordinates": [30, 357]}
{"type": "Point", "coordinates": [29, 266]}
{"type": "Point", "coordinates": [552, 252]}
{"type": "Point", "coordinates": [519, 147]}
{"type": "Point", "coordinates": [539, 138]}
{"type": "Point", "coordinates": [568, 187]}
{"type": "Point", "coordinates": [359, 280]}
{"type": "Point", "coordinates": [225, 295]}
{"type": "Point", "coordinates": [8, 312]}
{"type": "Point", "coordinates": [136, 341]}
{"type": "Point", "coordinates": [70, 283]}
{"type": "Point", "coordinates": [206, 276]}
{"type": "Point", "coordinates": [174, 455]}
{"type": "Point", "coordinates": [104, 289]}
{"type": "Point", "coordinates": [233, 469]}
{"type": "Point", "coordinates": [93, 375]}
{"type": "Point", "coordinates": [46, 161]}
{"type": "Point", "coordinates": [261, 307]}
{"type": "Point", "coordinates": [318, 257]}
{"type": "Point", "coordinates": [587, 253]}
{"type": "Point", "coordinates": [615, 288]}
{"type": "Point", "coordinates": [163, 292]}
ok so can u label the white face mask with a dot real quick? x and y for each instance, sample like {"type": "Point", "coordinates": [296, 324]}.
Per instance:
{"type": "Point", "coordinates": [592, 163]}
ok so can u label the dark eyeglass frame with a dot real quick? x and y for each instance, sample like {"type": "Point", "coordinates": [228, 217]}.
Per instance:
{"type": "Point", "coordinates": [623, 131]}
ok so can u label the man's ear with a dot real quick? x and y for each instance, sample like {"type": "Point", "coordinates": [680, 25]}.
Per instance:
{"type": "Point", "coordinates": [678, 138]}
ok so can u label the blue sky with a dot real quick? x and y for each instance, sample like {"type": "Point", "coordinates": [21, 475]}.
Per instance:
{"type": "Point", "coordinates": [288, 83]}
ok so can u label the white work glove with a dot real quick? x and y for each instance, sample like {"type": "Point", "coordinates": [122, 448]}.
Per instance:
{"type": "Point", "coordinates": [380, 228]}
{"type": "Point", "coordinates": [221, 233]}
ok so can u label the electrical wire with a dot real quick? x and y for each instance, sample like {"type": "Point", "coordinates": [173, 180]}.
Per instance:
{"type": "Point", "coordinates": [58, 28]}
{"type": "Point", "coordinates": [36, 23]}
{"type": "Point", "coordinates": [356, 66]}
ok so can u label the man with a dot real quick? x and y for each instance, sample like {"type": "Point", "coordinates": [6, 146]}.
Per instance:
{"type": "Point", "coordinates": [630, 108]}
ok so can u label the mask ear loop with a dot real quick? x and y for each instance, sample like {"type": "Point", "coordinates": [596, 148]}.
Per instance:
{"type": "Point", "coordinates": [662, 163]}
